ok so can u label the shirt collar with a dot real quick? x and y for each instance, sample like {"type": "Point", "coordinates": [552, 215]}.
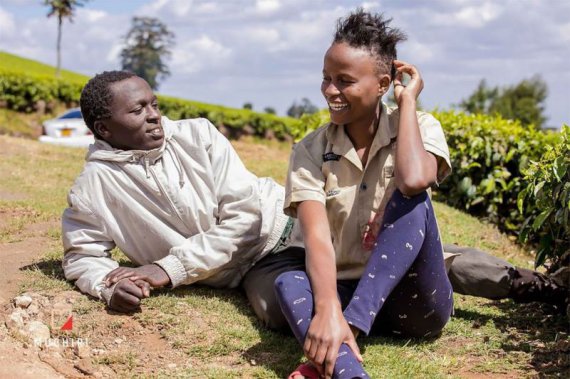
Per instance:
{"type": "Point", "coordinates": [342, 145]}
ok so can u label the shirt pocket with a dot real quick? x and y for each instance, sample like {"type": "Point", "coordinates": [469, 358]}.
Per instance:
{"type": "Point", "coordinates": [338, 204]}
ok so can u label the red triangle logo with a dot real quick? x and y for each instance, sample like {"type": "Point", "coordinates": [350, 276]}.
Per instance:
{"type": "Point", "coordinates": [68, 324]}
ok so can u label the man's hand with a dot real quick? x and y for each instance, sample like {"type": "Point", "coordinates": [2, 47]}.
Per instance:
{"type": "Point", "coordinates": [127, 295]}
{"type": "Point", "coordinates": [152, 274]}
{"type": "Point", "coordinates": [328, 330]}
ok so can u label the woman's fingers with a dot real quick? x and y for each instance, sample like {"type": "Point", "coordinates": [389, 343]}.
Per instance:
{"type": "Point", "coordinates": [355, 349]}
{"type": "Point", "coordinates": [320, 355]}
{"type": "Point", "coordinates": [330, 360]}
{"type": "Point", "coordinates": [413, 87]}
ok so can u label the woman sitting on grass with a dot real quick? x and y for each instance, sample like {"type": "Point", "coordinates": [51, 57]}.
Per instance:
{"type": "Point", "coordinates": [374, 260]}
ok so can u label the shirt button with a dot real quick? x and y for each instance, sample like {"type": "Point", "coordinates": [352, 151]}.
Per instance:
{"type": "Point", "coordinates": [363, 187]}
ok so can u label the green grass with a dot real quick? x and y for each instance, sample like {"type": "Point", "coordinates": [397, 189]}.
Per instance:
{"type": "Point", "coordinates": [213, 333]}
{"type": "Point", "coordinates": [16, 63]}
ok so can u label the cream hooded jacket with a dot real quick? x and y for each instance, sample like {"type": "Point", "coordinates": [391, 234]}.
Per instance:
{"type": "Point", "coordinates": [190, 206]}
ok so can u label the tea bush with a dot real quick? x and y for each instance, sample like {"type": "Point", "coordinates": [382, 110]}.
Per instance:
{"type": "Point", "coordinates": [545, 202]}
{"type": "Point", "coordinates": [22, 92]}
{"type": "Point", "coordinates": [488, 155]}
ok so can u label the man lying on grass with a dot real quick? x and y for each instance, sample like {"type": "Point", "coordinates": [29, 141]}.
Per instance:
{"type": "Point", "coordinates": [179, 203]}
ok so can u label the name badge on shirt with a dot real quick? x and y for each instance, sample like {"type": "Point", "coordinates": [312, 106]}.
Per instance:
{"type": "Point", "coordinates": [331, 157]}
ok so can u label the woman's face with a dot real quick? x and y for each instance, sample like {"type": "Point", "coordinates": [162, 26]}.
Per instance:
{"type": "Point", "coordinates": [351, 85]}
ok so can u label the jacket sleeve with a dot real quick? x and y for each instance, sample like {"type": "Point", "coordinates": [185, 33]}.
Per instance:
{"type": "Point", "coordinates": [87, 257]}
{"type": "Point", "coordinates": [238, 220]}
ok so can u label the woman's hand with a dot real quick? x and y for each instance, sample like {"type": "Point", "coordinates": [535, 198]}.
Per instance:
{"type": "Point", "coordinates": [410, 91]}
{"type": "Point", "coordinates": [328, 330]}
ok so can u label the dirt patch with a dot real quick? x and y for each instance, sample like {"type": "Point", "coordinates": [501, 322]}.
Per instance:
{"type": "Point", "coordinates": [18, 362]}
{"type": "Point", "coordinates": [11, 196]}
{"type": "Point", "coordinates": [98, 344]}
{"type": "Point", "coordinates": [25, 248]}
{"type": "Point", "coordinates": [16, 358]}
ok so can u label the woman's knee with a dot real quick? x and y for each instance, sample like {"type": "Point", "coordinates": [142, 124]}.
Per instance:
{"type": "Point", "coordinates": [400, 205]}
{"type": "Point", "coordinates": [283, 281]}
{"type": "Point", "coordinates": [428, 325]}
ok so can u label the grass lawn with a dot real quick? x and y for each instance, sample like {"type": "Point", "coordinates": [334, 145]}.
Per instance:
{"type": "Point", "coordinates": [201, 332]}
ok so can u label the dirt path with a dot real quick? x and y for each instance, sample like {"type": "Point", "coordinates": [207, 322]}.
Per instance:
{"type": "Point", "coordinates": [17, 361]}
{"type": "Point", "coordinates": [26, 247]}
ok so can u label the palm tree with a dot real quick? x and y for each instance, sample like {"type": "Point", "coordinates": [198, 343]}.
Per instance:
{"type": "Point", "coordinates": [62, 9]}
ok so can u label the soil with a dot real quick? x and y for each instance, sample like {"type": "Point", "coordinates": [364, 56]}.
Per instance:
{"type": "Point", "coordinates": [21, 357]}
{"type": "Point", "coordinates": [15, 359]}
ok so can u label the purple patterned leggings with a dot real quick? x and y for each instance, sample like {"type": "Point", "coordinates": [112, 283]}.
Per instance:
{"type": "Point", "coordinates": [404, 289]}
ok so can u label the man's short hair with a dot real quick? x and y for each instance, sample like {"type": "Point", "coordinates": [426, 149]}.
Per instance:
{"type": "Point", "coordinates": [96, 97]}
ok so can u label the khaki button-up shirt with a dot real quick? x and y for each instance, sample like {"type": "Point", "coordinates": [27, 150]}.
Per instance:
{"type": "Point", "coordinates": [325, 167]}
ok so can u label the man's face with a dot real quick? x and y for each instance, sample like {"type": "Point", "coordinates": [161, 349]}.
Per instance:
{"type": "Point", "coordinates": [135, 118]}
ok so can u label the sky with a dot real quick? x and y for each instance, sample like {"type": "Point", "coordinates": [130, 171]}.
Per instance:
{"type": "Point", "coordinates": [270, 52]}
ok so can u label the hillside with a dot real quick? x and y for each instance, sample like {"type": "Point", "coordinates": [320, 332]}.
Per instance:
{"type": "Point", "coordinates": [16, 63]}
{"type": "Point", "coordinates": [25, 82]}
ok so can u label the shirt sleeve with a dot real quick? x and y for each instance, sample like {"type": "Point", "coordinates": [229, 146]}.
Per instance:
{"type": "Point", "coordinates": [87, 249]}
{"type": "Point", "coordinates": [305, 180]}
{"type": "Point", "coordinates": [239, 218]}
{"type": "Point", "coordinates": [434, 142]}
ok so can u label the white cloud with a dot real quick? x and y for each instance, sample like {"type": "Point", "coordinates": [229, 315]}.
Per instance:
{"type": "Point", "coordinates": [371, 5]}
{"type": "Point", "coordinates": [7, 25]}
{"type": "Point", "coordinates": [470, 15]}
{"type": "Point", "coordinates": [262, 35]}
{"type": "Point", "coordinates": [200, 54]}
{"type": "Point", "coordinates": [20, 2]}
{"type": "Point", "coordinates": [564, 31]}
{"type": "Point", "coordinates": [267, 6]}
{"type": "Point", "coordinates": [91, 15]}
{"type": "Point", "coordinates": [172, 8]}
{"type": "Point", "coordinates": [261, 46]}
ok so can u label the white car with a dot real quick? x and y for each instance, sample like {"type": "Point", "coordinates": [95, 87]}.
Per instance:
{"type": "Point", "coordinates": [67, 129]}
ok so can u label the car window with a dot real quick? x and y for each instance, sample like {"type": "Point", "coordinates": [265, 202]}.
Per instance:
{"type": "Point", "coordinates": [72, 114]}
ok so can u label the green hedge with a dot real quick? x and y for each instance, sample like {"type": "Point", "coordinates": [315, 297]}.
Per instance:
{"type": "Point", "coordinates": [22, 92]}
{"type": "Point", "coordinates": [237, 120]}
{"type": "Point", "coordinates": [488, 155]}
{"type": "Point", "coordinates": [546, 202]}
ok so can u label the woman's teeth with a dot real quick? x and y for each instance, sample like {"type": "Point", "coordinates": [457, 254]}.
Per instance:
{"type": "Point", "coordinates": [337, 107]}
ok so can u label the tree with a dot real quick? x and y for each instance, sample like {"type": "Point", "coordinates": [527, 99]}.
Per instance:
{"type": "Point", "coordinates": [523, 101]}
{"type": "Point", "coordinates": [247, 106]}
{"type": "Point", "coordinates": [62, 9]}
{"type": "Point", "coordinates": [304, 107]}
{"type": "Point", "coordinates": [480, 100]}
{"type": "Point", "coordinates": [269, 110]}
{"type": "Point", "coordinates": [147, 44]}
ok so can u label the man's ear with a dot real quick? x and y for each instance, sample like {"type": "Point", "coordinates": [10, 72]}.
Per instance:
{"type": "Point", "coordinates": [102, 129]}
{"type": "Point", "coordinates": [383, 84]}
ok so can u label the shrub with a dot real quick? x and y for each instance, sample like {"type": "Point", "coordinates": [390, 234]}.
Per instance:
{"type": "Point", "coordinates": [21, 92]}
{"type": "Point", "coordinates": [488, 156]}
{"type": "Point", "coordinates": [545, 201]}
